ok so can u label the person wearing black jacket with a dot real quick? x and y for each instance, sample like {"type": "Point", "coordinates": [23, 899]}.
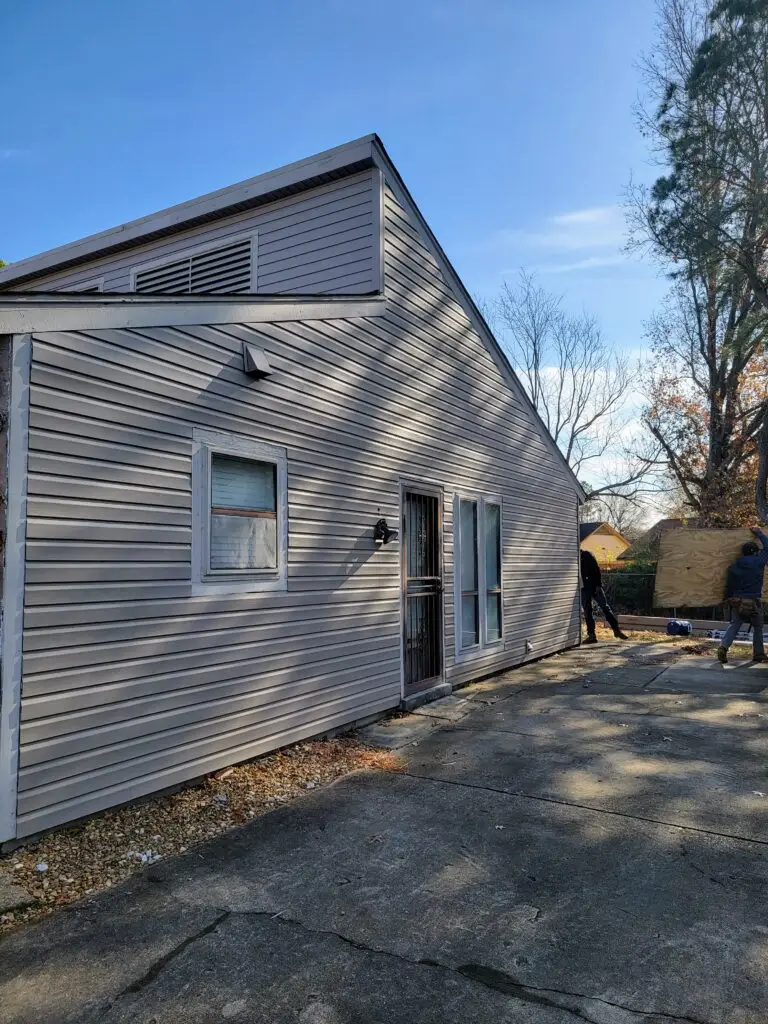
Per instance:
{"type": "Point", "coordinates": [592, 590]}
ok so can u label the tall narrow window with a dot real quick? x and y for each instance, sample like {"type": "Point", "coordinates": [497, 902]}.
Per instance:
{"type": "Point", "coordinates": [492, 573]}
{"type": "Point", "coordinates": [479, 583]}
{"type": "Point", "coordinates": [470, 619]}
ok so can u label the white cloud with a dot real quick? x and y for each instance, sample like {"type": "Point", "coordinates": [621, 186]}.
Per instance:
{"type": "Point", "coordinates": [595, 227]}
{"type": "Point", "coordinates": [589, 263]}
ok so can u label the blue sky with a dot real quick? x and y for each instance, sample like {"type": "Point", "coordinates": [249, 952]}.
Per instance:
{"type": "Point", "coordinates": [510, 120]}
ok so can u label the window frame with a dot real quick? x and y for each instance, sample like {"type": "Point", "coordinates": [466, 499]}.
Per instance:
{"type": "Point", "coordinates": [205, 444]}
{"type": "Point", "coordinates": [483, 644]}
{"type": "Point", "coordinates": [200, 250]}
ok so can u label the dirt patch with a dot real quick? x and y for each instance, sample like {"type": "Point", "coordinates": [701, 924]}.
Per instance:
{"type": "Point", "coordinates": [83, 859]}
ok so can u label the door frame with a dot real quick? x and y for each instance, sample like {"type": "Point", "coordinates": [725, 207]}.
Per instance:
{"type": "Point", "coordinates": [436, 490]}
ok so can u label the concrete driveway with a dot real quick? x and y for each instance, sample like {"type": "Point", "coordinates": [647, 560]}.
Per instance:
{"type": "Point", "coordinates": [584, 839]}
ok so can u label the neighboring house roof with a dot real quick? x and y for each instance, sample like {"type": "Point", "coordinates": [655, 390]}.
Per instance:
{"type": "Point", "coordinates": [329, 165]}
{"type": "Point", "coordinates": [587, 529]}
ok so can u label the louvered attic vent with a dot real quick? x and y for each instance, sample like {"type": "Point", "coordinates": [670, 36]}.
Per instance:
{"type": "Point", "coordinates": [224, 271]}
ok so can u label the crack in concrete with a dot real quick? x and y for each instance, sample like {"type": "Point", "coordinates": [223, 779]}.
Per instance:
{"type": "Point", "coordinates": [502, 982]}
{"type": "Point", "coordinates": [489, 977]}
{"type": "Point", "coordinates": [587, 807]}
{"type": "Point", "coordinates": [162, 962]}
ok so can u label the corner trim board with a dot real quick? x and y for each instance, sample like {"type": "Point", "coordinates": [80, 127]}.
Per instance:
{"type": "Point", "coordinates": [13, 583]}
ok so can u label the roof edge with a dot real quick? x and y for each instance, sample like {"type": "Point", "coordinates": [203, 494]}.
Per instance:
{"type": "Point", "coordinates": [477, 319]}
{"type": "Point", "coordinates": [351, 156]}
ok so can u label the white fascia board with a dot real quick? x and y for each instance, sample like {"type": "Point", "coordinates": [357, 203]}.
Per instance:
{"type": "Point", "coordinates": [203, 206]}
{"type": "Point", "coordinates": [36, 315]}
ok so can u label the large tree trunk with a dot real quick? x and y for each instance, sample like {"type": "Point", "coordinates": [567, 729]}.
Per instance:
{"type": "Point", "coordinates": [761, 498]}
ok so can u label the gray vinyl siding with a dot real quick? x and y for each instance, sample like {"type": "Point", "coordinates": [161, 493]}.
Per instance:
{"type": "Point", "coordinates": [130, 684]}
{"type": "Point", "coordinates": [320, 241]}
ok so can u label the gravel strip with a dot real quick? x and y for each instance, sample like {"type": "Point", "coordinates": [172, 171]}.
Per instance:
{"type": "Point", "coordinates": [83, 859]}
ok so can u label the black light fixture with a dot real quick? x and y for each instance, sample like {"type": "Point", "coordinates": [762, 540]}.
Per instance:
{"type": "Point", "coordinates": [382, 534]}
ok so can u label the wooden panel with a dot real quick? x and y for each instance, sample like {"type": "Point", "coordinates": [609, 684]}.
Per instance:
{"type": "Point", "coordinates": [693, 565]}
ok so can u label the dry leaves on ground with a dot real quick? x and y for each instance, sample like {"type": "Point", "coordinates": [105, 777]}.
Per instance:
{"type": "Point", "coordinates": [681, 644]}
{"type": "Point", "coordinates": [83, 859]}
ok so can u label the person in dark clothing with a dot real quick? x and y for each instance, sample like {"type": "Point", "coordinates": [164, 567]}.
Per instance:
{"type": "Point", "coordinates": [592, 590]}
{"type": "Point", "coordinates": [744, 595]}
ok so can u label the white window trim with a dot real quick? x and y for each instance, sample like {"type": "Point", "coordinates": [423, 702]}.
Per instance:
{"type": "Point", "coordinates": [198, 250]}
{"type": "Point", "coordinates": [81, 286]}
{"type": "Point", "coordinates": [204, 444]}
{"type": "Point", "coordinates": [483, 645]}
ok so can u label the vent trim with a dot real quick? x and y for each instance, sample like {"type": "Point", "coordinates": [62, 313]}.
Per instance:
{"type": "Point", "coordinates": [89, 287]}
{"type": "Point", "coordinates": [224, 267]}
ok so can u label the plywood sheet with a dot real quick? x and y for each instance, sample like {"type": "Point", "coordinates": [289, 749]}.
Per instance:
{"type": "Point", "coordinates": [693, 565]}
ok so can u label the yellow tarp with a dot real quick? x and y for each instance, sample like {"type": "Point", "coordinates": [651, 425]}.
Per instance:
{"type": "Point", "coordinates": [693, 565]}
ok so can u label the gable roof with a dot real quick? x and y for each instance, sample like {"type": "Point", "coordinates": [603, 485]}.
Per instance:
{"type": "Point", "coordinates": [366, 152]}
{"type": "Point", "coordinates": [587, 529]}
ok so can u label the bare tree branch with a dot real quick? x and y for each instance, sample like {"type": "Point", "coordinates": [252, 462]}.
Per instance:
{"type": "Point", "coordinates": [578, 383]}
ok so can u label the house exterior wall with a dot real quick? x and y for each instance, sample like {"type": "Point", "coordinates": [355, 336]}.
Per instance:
{"type": "Point", "coordinates": [130, 683]}
{"type": "Point", "coordinates": [606, 547]}
{"type": "Point", "coordinates": [314, 242]}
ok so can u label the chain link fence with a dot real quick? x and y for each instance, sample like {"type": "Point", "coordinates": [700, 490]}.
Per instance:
{"type": "Point", "coordinates": [631, 593]}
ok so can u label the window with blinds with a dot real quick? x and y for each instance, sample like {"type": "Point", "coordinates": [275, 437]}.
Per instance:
{"type": "Point", "coordinates": [224, 270]}
{"type": "Point", "coordinates": [239, 514]}
{"type": "Point", "coordinates": [243, 532]}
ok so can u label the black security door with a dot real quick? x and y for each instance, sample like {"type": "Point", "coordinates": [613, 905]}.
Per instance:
{"type": "Point", "coordinates": [423, 585]}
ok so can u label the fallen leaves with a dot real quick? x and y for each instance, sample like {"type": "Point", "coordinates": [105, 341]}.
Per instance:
{"type": "Point", "coordinates": [81, 860]}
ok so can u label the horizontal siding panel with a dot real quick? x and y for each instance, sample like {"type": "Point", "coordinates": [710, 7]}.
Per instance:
{"type": "Point", "coordinates": [304, 220]}
{"type": "Point", "coordinates": [87, 427]}
{"type": "Point", "coordinates": [243, 693]}
{"type": "Point", "coordinates": [46, 485]}
{"type": "Point", "coordinates": [64, 777]}
{"type": "Point", "coordinates": [111, 472]}
{"type": "Point", "coordinates": [93, 572]}
{"type": "Point", "coordinates": [66, 529]}
{"type": "Point", "coordinates": [189, 766]}
{"type": "Point", "coordinates": [137, 735]}
{"type": "Point", "coordinates": [74, 551]}
{"type": "Point", "coordinates": [317, 406]}
{"type": "Point", "coordinates": [191, 631]}
{"type": "Point", "coordinates": [112, 606]}
{"type": "Point", "coordinates": [239, 676]}
{"type": "Point", "coordinates": [346, 226]}
{"type": "Point", "coordinates": [59, 511]}
{"type": "Point", "coordinates": [282, 650]}
{"type": "Point", "coordinates": [185, 641]}
{"type": "Point", "coordinates": [84, 448]}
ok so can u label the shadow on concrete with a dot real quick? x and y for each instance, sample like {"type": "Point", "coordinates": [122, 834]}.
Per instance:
{"type": "Point", "coordinates": [576, 847]}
